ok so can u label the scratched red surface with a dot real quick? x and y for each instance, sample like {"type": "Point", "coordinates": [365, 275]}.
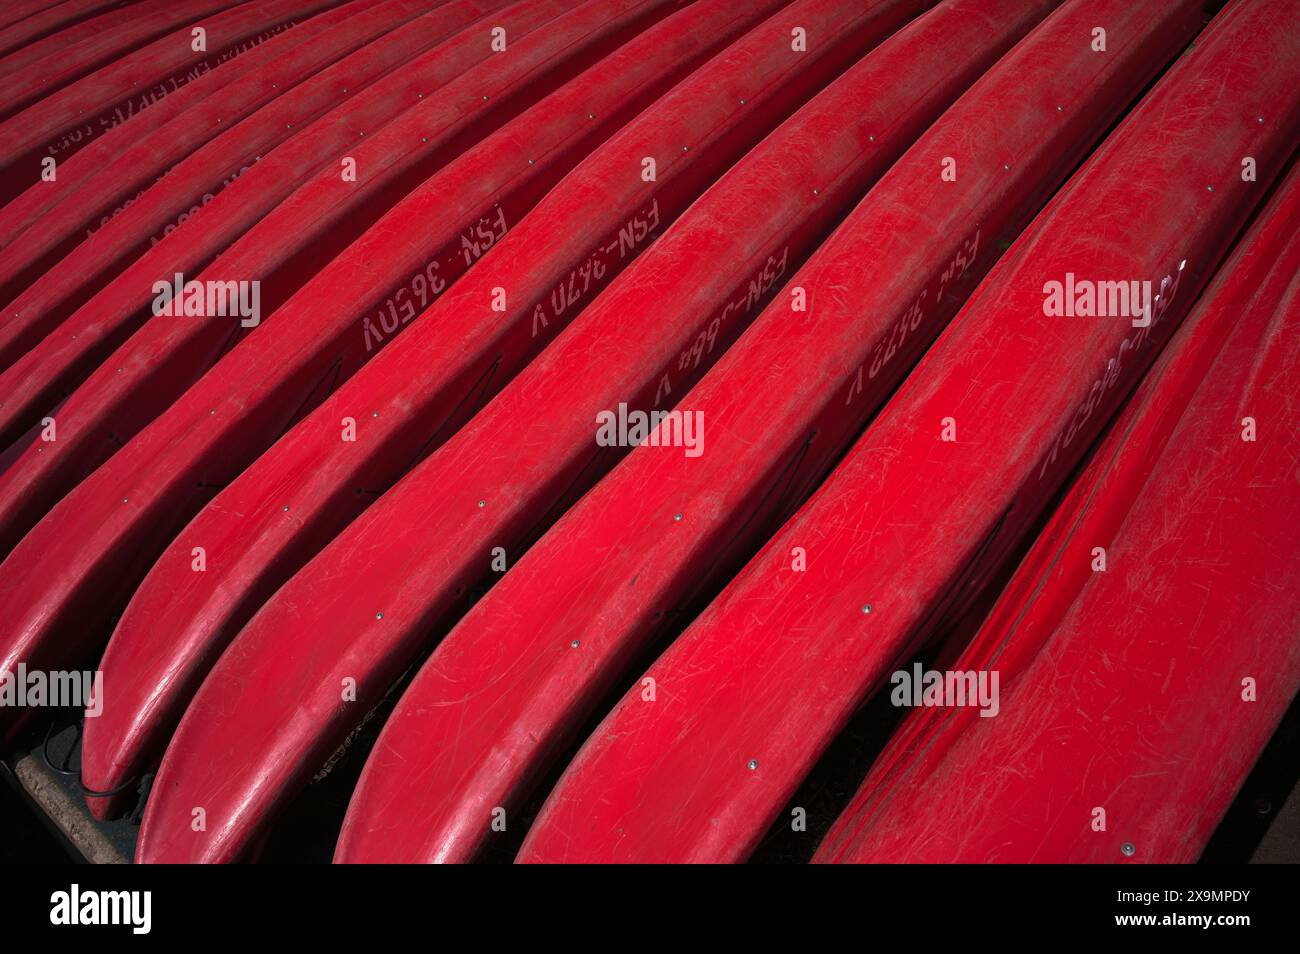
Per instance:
{"type": "Point", "coordinates": [379, 514]}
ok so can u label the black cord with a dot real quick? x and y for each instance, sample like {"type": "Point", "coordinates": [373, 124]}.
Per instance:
{"type": "Point", "coordinates": [67, 758]}
{"type": "Point", "coordinates": [143, 783]}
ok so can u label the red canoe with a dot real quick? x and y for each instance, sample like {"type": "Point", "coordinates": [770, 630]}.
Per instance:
{"type": "Point", "coordinates": [71, 118]}
{"type": "Point", "coordinates": [512, 696]}
{"type": "Point", "coordinates": [116, 521]}
{"type": "Point", "coordinates": [46, 65]}
{"type": "Point", "coordinates": [285, 246]}
{"type": "Point", "coordinates": [1124, 730]}
{"type": "Point", "coordinates": [422, 83]}
{"type": "Point", "coordinates": [735, 235]}
{"type": "Point", "coordinates": [109, 172]}
{"type": "Point", "coordinates": [25, 21]}
{"type": "Point", "coordinates": [945, 483]}
{"type": "Point", "coordinates": [179, 620]}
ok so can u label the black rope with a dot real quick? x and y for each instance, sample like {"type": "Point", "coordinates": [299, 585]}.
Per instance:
{"type": "Point", "coordinates": [67, 758]}
{"type": "Point", "coordinates": [107, 793]}
{"type": "Point", "coordinates": [141, 783]}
